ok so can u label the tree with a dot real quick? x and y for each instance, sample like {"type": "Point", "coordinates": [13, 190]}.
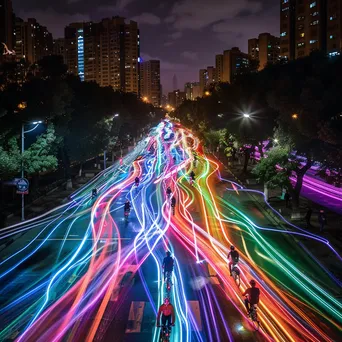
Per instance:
{"type": "Point", "coordinates": [38, 158]}
{"type": "Point", "coordinates": [274, 170]}
{"type": "Point", "coordinates": [10, 158]}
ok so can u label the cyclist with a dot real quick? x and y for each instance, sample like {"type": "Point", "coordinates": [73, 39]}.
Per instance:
{"type": "Point", "coordinates": [167, 314]}
{"type": "Point", "coordinates": [233, 257]}
{"type": "Point", "coordinates": [168, 191]}
{"type": "Point", "coordinates": [253, 294]}
{"type": "Point", "coordinates": [167, 264]}
{"type": "Point", "coordinates": [173, 204]}
{"type": "Point", "coordinates": [127, 207]}
{"type": "Point", "coordinates": [137, 181]}
{"type": "Point", "coordinates": [94, 193]}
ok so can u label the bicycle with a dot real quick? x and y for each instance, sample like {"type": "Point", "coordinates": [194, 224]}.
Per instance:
{"type": "Point", "coordinates": [236, 274]}
{"type": "Point", "coordinates": [165, 333]}
{"type": "Point", "coordinates": [253, 314]}
{"type": "Point", "coordinates": [168, 282]}
{"type": "Point", "coordinates": [126, 215]}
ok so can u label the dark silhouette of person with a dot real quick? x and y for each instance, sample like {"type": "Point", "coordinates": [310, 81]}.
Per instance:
{"type": "Point", "coordinates": [322, 219]}
{"type": "Point", "coordinates": [308, 217]}
{"type": "Point", "coordinates": [287, 199]}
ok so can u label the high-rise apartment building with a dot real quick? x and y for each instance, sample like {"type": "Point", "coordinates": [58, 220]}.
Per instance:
{"type": "Point", "coordinates": [192, 90]}
{"type": "Point", "coordinates": [107, 52]}
{"type": "Point", "coordinates": [211, 71]}
{"type": "Point", "coordinates": [219, 67]}
{"type": "Point", "coordinates": [287, 28]}
{"type": "Point", "coordinates": [59, 47]}
{"type": "Point", "coordinates": [176, 98]}
{"type": "Point", "coordinates": [309, 25]}
{"type": "Point", "coordinates": [265, 49]}
{"type": "Point", "coordinates": [234, 62]}
{"type": "Point", "coordinates": [206, 77]}
{"type": "Point", "coordinates": [203, 78]}
{"type": "Point", "coordinates": [150, 82]}
{"type": "Point", "coordinates": [6, 23]}
{"type": "Point", "coordinates": [334, 27]}
{"type": "Point", "coordinates": [32, 40]}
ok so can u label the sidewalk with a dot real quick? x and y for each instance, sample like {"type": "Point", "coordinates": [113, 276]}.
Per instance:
{"type": "Point", "coordinates": [332, 230]}
{"type": "Point", "coordinates": [45, 203]}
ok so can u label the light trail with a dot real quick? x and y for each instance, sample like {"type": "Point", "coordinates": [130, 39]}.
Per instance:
{"type": "Point", "coordinates": [85, 272]}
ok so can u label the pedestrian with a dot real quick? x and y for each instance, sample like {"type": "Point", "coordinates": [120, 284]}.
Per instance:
{"type": "Point", "coordinates": [308, 217]}
{"type": "Point", "coordinates": [322, 219]}
{"type": "Point", "coordinates": [287, 199]}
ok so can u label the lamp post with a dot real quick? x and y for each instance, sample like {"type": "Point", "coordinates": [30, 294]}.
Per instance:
{"type": "Point", "coordinates": [36, 124]}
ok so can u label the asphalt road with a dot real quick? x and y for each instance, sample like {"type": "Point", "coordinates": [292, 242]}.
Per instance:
{"type": "Point", "coordinates": [84, 273]}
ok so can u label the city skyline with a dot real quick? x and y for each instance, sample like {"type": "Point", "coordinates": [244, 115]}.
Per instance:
{"type": "Point", "coordinates": [220, 27]}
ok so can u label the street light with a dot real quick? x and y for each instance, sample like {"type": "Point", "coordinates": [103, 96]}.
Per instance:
{"type": "Point", "coordinates": [295, 116]}
{"type": "Point", "coordinates": [245, 115]}
{"type": "Point", "coordinates": [36, 123]}
{"type": "Point", "coordinates": [207, 93]}
{"type": "Point", "coordinates": [116, 115]}
{"type": "Point", "coordinates": [276, 141]}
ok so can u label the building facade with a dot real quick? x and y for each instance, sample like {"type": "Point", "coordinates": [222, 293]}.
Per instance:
{"type": "Point", "coordinates": [59, 47]}
{"type": "Point", "coordinates": [234, 63]}
{"type": "Point", "coordinates": [107, 52]}
{"type": "Point", "coordinates": [176, 98]}
{"type": "Point", "coordinates": [309, 25]}
{"type": "Point", "coordinates": [265, 49]}
{"type": "Point", "coordinates": [32, 40]}
{"type": "Point", "coordinates": [192, 91]}
{"type": "Point", "coordinates": [6, 25]}
{"type": "Point", "coordinates": [150, 87]}
{"type": "Point", "coordinates": [211, 72]}
{"type": "Point", "coordinates": [203, 79]}
{"type": "Point", "coordinates": [219, 67]}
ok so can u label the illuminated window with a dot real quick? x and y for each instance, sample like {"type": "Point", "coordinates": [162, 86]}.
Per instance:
{"type": "Point", "coordinates": [302, 34]}
{"type": "Point", "coordinates": [313, 4]}
{"type": "Point", "coordinates": [314, 22]}
{"type": "Point", "coordinates": [313, 41]}
{"type": "Point", "coordinates": [283, 34]}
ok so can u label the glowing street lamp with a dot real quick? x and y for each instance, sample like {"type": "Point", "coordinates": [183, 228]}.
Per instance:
{"type": "Point", "coordinates": [145, 99]}
{"type": "Point", "coordinates": [116, 115]}
{"type": "Point", "coordinates": [295, 116]}
{"type": "Point", "coordinates": [207, 93]}
{"type": "Point", "coordinates": [245, 115]}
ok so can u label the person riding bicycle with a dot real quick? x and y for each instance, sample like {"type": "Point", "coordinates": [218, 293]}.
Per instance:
{"type": "Point", "coordinates": [168, 264]}
{"type": "Point", "coordinates": [127, 206]}
{"type": "Point", "coordinates": [168, 191]}
{"type": "Point", "coordinates": [233, 257]}
{"type": "Point", "coordinates": [137, 181]}
{"type": "Point", "coordinates": [253, 294]}
{"type": "Point", "coordinates": [94, 193]}
{"type": "Point", "coordinates": [167, 314]}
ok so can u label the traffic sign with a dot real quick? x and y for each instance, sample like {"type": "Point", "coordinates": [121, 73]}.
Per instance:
{"type": "Point", "coordinates": [22, 186]}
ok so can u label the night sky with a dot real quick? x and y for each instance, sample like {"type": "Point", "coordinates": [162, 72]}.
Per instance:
{"type": "Point", "coordinates": [184, 34]}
